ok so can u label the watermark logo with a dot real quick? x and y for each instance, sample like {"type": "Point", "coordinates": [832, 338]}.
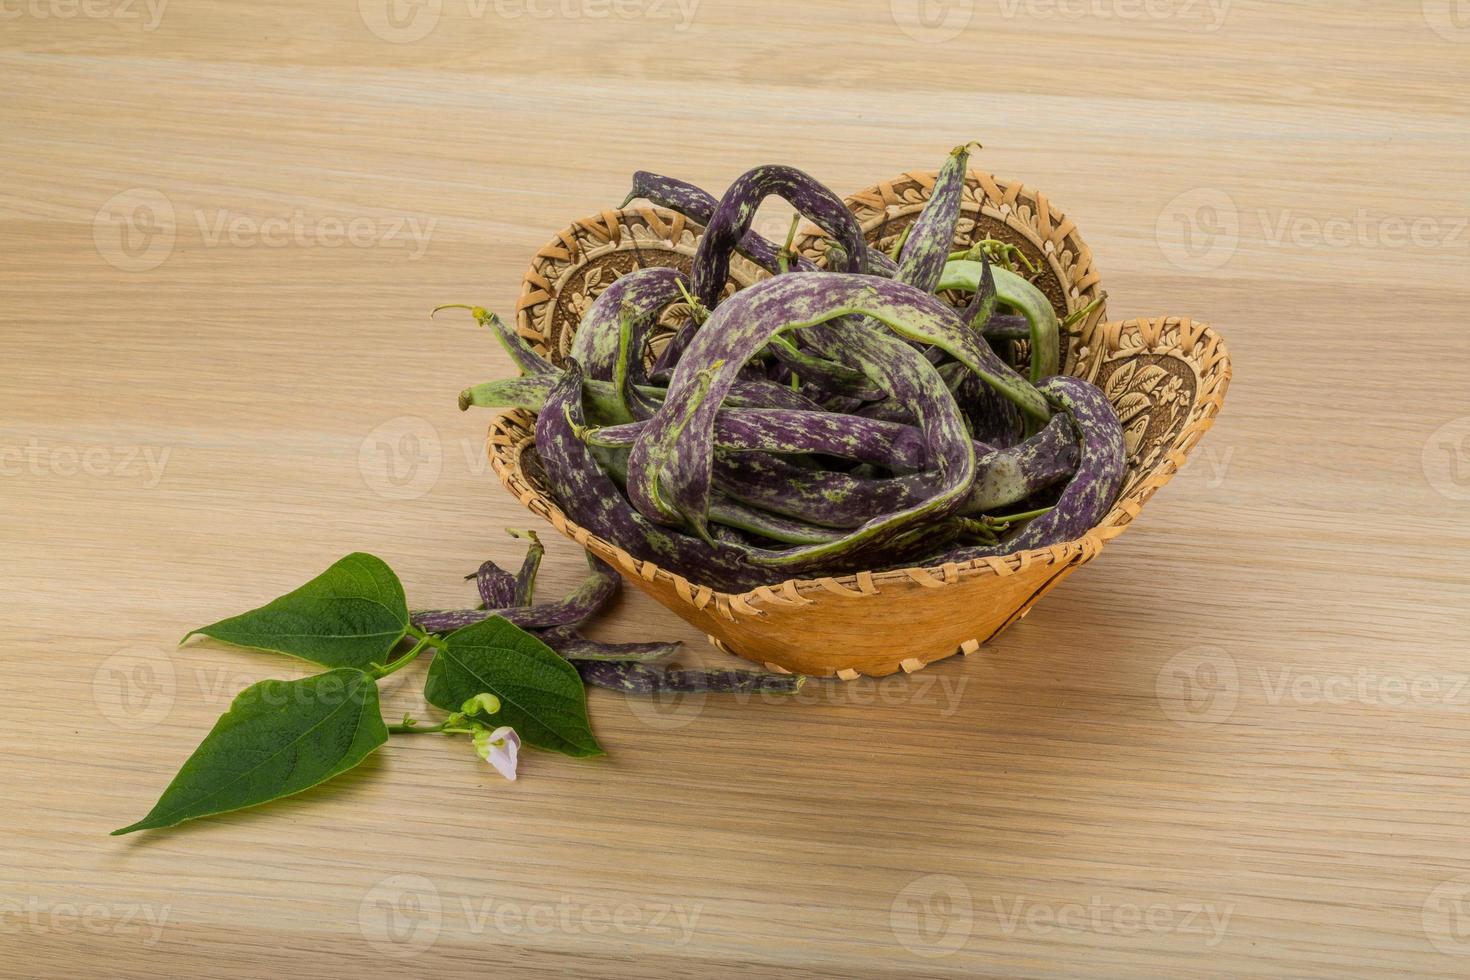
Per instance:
{"type": "Point", "coordinates": [145, 14]}
{"type": "Point", "coordinates": [1450, 19]}
{"type": "Point", "coordinates": [94, 919]}
{"type": "Point", "coordinates": [667, 711]}
{"type": "Point", "coordinates": [401, 916]}
{"type": "Point", "coordinates": [1102, 917]}
{"type": "Point", "coordinates": [406, 21]}
{"type": "Point", "coordinates": [933, 916]}
{"type": "Point", "coordinates": [1199, 687]}
{"type": "Point", "coordinates": [302, 230]}
{"type": "Point", "coordinates": [932, 21]}
{"type": "Point", "coordinates": [400, 21]}
{"type": "Point", "coordinates": [1199, 230]}
{"type": "Point", "coordinates": [1446, 916]}
{"type": "Point", "coordinates": [134, 688]}
{"type": "Point", "coordinates": [134, 231]}
{"type": "Point", "coordinates": [1446, 459]}
{"type": "Point", "coordinates": [1209, 15]}
{"type": "Point", "coordinates": [402, 458]}
{"type": "Point", "coordinates": [100, 462]}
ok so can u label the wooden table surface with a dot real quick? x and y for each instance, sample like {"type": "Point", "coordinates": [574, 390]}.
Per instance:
{"type": "Point", "coordinates": [1235, 745]}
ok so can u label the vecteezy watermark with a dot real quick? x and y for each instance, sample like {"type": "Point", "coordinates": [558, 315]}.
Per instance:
{"type": "Point", "coordinates": [1105, 917]}
{"type": "Point", "coordinates": [144, 463]}
{"type": "Point", "coordinates": [145, 14]}
{"type": "Point", "coordinates": [668, 711]}
{"type": "Point", "coordinates": [1201, 229]}
{"type": "Point", "coordinates": [134, 688]}
{"type": "Point", "coordinates": [402, 458]}
{"type": "Point", "coordinates": [403, 916]}
{"type": "Point", "coordinates": [1446, 459]}
{"type": "Point", "coordinates": [406, 21]}
{"type": "Point", "coordinates": [932, 916]}
{"type": "Point", "coordinates": [34, 916]}
{"type": "Point", "coordinates": [1208, 15]}
{"type": "Point", "coordinates": [1198, 687]}
{"type": "Point", "coordinates": [302, 230]}
{"type": "Point", "coordinates": [1450, 19]}
{"type": "Point", "coordinates": [136, 231]}
{"type": "Point", "coordinates": [1202, 687]}
{"type": "Point", "coordinates": [1445, 916]}
{"type": "Point", "coordinates": [932, 21]}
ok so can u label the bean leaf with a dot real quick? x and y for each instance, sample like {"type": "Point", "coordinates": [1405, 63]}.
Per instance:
{"type": "Point", "coordinates": [351, 615]}
{"type": "Point", "coordinates": [277, 739]}
{"type": "Point", "coordinates": [541, 695]}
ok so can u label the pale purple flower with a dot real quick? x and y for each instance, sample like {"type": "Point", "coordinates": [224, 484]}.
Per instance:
{"type": "Point", "coordinates": [499, 748]}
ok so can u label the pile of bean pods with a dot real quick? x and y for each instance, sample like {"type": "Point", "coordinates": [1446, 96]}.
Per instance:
{"type": "Point", "coordinates": [878, 411]}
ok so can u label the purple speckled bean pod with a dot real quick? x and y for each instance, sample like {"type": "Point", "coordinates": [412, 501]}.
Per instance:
{"type": "Point", "coordinates": [1009, 475]}
{"type": "Point", "coordinates": [889, 444]}
{"type": "Point", "coordinates": [698, 204]}
{"type": "Point", "coordinates": [921, 260]}
{"type": "Point", "coordinates": [636, 678]}
{"type": "Point", "coordinates": [592, 499]}
{"type": "Point", "coordinates": [525, 580]}
{"type": "Point", "coordinates": [525, 358]}
{"type": "Point", "coordinates": [1093, 488]}
{"type": "Point", "coordinates": [982, 304]}
{"type": "Point", "coordinates": [824, 375]}
{"type": "Point", "coordinates": [727, 514]}
{"type": "Point", "coordinates": [571, 645]}
{"type": "Point", "coordinates": [632, 401]}
{"type": "Point", "coordinates": [497, 587]}
{"type": "Point", "coordinates": [836, 499]}
{"type": "Point", "coordinates": [643, 292]}
{"type": "Point", "coordinates": [579, 605]}
{"type": "Point", "coordinates": [824, 497]}
{"type": "Point", "coordinates": [1006, 326]}
{"type": "Point", "coordinates": [732, 217]}
{"type": "Point", "coordinates": [603, 400]}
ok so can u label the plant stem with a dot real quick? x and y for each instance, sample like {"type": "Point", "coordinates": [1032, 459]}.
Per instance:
{"type": "Point", "coordinates": [416, 729]}
{"type": "Point", "coordinates": [1026, 516]}
{"type": "Point", "coordinates": [407, 658]}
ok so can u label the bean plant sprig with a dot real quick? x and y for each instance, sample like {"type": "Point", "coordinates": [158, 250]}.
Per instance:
{"type": "Point", "coordinates": [507, 672]}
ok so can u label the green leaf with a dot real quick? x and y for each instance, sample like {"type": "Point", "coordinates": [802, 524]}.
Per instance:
{"type": "Point", "coordinates": [277, 739]}
{"type": "Point", "coordinates": [351, 615]}
{"type": "Point", "coordinates": [541, 695]}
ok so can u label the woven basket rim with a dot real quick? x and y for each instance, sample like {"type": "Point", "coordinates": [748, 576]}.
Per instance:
{"type": "Point", "coordinates": [510, 431]}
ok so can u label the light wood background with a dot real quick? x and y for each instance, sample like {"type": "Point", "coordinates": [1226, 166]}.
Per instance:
{"type": "Point", "coordinates": [1235, 745]}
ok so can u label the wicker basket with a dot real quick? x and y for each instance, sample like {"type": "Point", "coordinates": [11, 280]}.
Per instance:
{"type": "Point", "coordinates": [1167, 377]}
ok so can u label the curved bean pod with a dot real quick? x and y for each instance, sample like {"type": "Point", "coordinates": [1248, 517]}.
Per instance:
{"type": "Point", "coordinates": [1030, 302]}
{"type": "Point", "coordinates": [497, 587]}
{"type": "Point", "coordinates": [635, 678]}
{"type": "Point", "coordinates": [1093, 488]}
{"type": "Point", "coordinates": [571, 645]}
{"type": "Point", "coordinates": [732, 217]}
{"type": "Point", "coordinates": [644, 292]}
{"type": "Point", "coordinates": [593, 500]}
{"type": "Point", "coordinates": [921, 260]}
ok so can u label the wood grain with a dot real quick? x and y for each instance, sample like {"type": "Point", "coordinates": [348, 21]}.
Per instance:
{"type": "Point", "coordinates": [1234, 745]}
